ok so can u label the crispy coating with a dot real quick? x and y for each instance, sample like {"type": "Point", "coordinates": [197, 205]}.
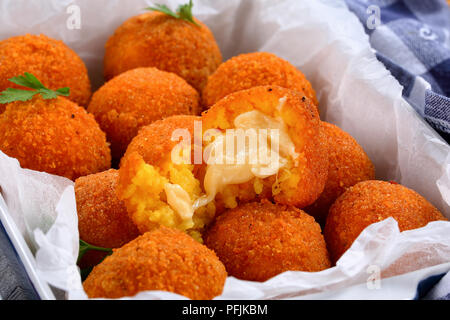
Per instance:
{"type": "Point", "coordinates": [145, 170]}
{"type": "Point", "coordinates": [257, 241]}
{"type": "Point", "coordinates": [51, 61]}
{"type": "Point", "coordinates": [348, 165]}
{"type": "Point", "coordinates": [254, 69]}
{"type": "Point", "coordinates": [56, 136]}
{"type": "Point", "coordinates": [102, 218]}
{"type": "Point", "coordinates": [154, 142]}
{"type": "Point", "coordinates": [157, 40]}
{"type": "Point", "coordinates": [163, 259]}
{"type": "Point", "coordinates": [298, 184]}
{"type": "Point", "coordinates": [135, 99]}
{"type": "Point", "coordinates": [373, 201]}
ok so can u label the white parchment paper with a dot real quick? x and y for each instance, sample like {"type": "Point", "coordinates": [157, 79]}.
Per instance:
{"type": "Point", "coordinates": [356, 92]}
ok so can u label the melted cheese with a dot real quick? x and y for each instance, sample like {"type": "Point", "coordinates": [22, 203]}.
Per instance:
{"type": "Point", "coordinates": [179, 200]}
{"type": "Point", "coordinates": [224, 169]}
{"type": "Point", "coordinates": [257, 119]}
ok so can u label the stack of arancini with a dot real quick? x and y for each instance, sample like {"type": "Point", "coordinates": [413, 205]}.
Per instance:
{"type": "Point", "coordinates": [183, 227]}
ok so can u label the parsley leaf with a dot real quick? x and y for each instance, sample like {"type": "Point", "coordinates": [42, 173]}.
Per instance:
{"type": "Point", "coordinates": [29, 81]}
{"type": "Point", "coordinates": [184, 11]}
{"type": "Point", "coordinates": [164, 9]}
{"type": "Point", "coordinates": [11, 95]}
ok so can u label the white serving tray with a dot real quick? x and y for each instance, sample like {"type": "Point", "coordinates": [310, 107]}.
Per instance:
{"type": "Point", "coordinates": [24, 253]}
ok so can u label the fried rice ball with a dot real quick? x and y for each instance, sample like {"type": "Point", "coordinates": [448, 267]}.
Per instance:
{"type": "Point", "coordinates": [51, 61]}
{"type": "Point", "coordinates": [155, 39]}
{"type": "Point", "coordinates": [137, 98]}
{"type": "Point", "coordinates": [348, 165]}
{"type": "Point", "coordinates": [147, 169]}
{"type": "Point", "coordinates": [255, 69]}
{"type": "Point", "coordinates": [257, 241]}
{"type": "Point", "coordinates": [56, 136]}
{"type": "Point", "coordinates": [302, 144]}
{"type": "Point", "coordinates": [373, 201]}
{"type": "Point", "coordinates": [163, 259]}
{"type": "Point", "coordinates": [103, 219]}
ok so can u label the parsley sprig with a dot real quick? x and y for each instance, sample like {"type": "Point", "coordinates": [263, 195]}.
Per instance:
{"type": "Point", "coordinates": [85, 247]}
{"type": "Point", "coordinates": [184, 11]}
{"type": "Point", "coordinates": [30, 81]}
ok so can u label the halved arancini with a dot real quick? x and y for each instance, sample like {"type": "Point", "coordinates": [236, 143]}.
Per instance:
{"type": "Point", "coordinates": [299, 174]}
{"type": "Point", "coordinates": [157, 190]}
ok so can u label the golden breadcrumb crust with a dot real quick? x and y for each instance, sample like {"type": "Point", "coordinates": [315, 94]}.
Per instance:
{"type": "Point", "coordinates": [373, 201]}
{"type": "Point", "coordinates": [154, 143]}
{"type": "Point", "coordinates": [257, 241]}
{"type": "Point", "coordinates": [102, 218]}
{"type": "Point", "coordinates": [299, 185]}
{"type": "Point", "coordinates": [145, 170]}
{"type": "Point", "coordinates": [157, 40]}
{"type": "Point", "coordinates": [348, 165]}
{"type": "Point", "coordinates": [135, 99]}
{"type": "Point", "coordinates": [162, 259]}
{"type": "Point", "coordinates": [56, 136]}
{"type": "Point", "coordinates": [255, 69]}
{"type": "Point", "coordinates": [51, 61]}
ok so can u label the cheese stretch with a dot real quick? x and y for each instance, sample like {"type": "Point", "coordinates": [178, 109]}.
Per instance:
{"type": "Point", "coordinates": [246, 160]}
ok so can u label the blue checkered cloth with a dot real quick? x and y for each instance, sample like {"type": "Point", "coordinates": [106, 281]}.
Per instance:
{"type": "Point", "coordinates": [412, 39]}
